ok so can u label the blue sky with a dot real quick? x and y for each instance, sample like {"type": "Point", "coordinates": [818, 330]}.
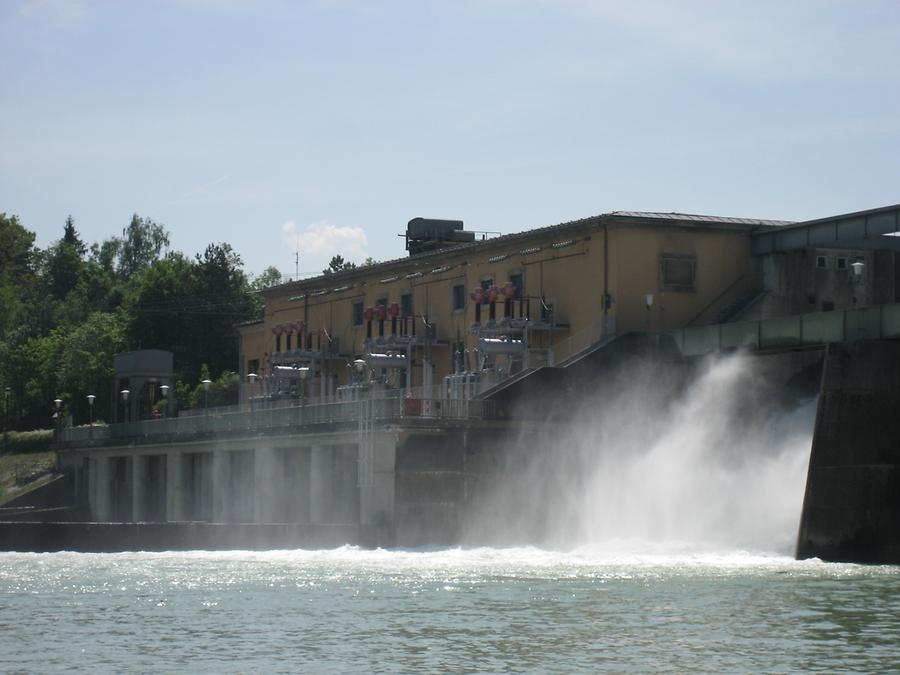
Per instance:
{"type": "Point", "coordinates": [333, 122]}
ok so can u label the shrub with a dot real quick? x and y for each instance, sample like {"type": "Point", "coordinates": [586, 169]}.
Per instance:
{"type": "Point", "coordinates": [39, 440]}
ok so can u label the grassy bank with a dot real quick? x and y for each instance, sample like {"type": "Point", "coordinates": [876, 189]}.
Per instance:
{"type": "Point", "coordinates": [20, 471]}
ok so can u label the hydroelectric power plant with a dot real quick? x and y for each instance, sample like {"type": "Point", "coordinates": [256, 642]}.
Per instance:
{"type": "Point", "coordinates": [660, 376]}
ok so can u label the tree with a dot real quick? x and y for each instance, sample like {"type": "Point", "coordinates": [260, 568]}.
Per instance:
{"type": "Point", "coordinates": [270, 277]}
{"type": "Point", "coordinates": [70, 236]}
{"type": "Point", "coordinates": [338, 264]}
{"type": "Point", "coordinates": [142, 243]}
{"type": "Point", "coordinates": [16, 270]}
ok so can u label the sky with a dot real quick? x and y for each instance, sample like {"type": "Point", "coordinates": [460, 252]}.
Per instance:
{"type": "Point", "coordinates": [326, 125]}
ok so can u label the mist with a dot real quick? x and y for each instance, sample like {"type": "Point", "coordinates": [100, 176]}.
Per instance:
{"type": "Point", "coordinates": [659, 460]}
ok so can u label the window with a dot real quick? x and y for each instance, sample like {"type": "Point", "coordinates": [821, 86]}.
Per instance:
{"type": "Point", "coordinates": [459, 297]}
{"type": "Point", "coordinates": [358, 313]}
{"type": "Point", "coordinates": [678, 272]}
{"type": "Point", "coordinates": [277, 343]}
{"type": "Point", "coordinates": [518, 281]}
{"type": "Point", "coordinates": [288, 340]}
{"type": "Point", "coordinates": [486, 283]}
{"type": "Point", "coordinates": [406, 308]}
{"type": "Point", "coordinates": [381, 301]}
{"type": "Point", "coordinates": [841, 263]}
{"type": "Point", "coordinates": [253, 366]}
{"type": "Point", "coordinates": [821, 261]}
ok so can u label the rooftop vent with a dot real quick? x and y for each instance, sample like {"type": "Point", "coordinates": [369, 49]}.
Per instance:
{"type": "Point", "coordinates": [430, 234]}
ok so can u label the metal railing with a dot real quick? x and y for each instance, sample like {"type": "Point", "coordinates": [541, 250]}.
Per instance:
{"type": "Point", "coordinates": [383, 405]}
{"type": "Point", "coordinates": [582, 340]}
{"type": "Point", "coordinates": [881, 322]}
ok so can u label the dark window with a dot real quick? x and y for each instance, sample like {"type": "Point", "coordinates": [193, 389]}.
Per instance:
{"type": "Point", "coordinates": [678, 273]}
{"type": "Point", "coordinates": [381, 301]}
{"type": "Point", "coordinates": [358, 314]}
{"type": "Point", "coordinates": [828, 305]}
{"type": "Point", "coordinates": [841, 263]}
{"type": "Point", "coordinates": [277, 343]}
{"type": "Point", "coordinates": [253, 366]}
{"type": "Point", "coordinates": [288, 341]}
{"type": "Point", "coordinates": [406, 308]}
{"type": "Point", "coordinates": [821, 261]}
{"type": "Point", "coordinates": [518, 280]}
{"type": "Point", "coordinates": [485, 285]}
{"type": "Point", "coordinates": [459, 297]}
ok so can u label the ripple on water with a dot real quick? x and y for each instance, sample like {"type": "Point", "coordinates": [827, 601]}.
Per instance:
{"type": "Point", "coordinates": [462, 609]}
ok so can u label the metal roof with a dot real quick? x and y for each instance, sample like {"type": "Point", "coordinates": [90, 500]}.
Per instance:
{"type": "Point", "coordinates": [639, 217]}
{"type": "Point", "coordinates": [696, 218]}
{"type": "Point", "coordinates": [860, 230]}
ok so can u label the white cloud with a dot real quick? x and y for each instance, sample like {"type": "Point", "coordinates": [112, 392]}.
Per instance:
{"type": "Point", "coordinates": [318, 242]}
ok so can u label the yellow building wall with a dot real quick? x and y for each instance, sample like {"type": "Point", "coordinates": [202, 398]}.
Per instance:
{"type": "Point", "coordinates": [723, 273]}
{"type": "Point", "coordinates": [565, 267]}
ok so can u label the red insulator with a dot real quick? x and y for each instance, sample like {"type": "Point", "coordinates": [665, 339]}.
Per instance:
{"type": "Point", "coordinates": [279, 329]}
{"type": "Point", "coordinates": [394, 310]}
{"type": "Point", "coordinates": [381, 312]}
{"type": "Point", "coordinates": [477, 295]}
{"type": "Point", "coordinates": [509, 290]}
{"type": "Point", "coordinates": [493, 292]}
{"type": "Point", "coordinates": [369, 314]}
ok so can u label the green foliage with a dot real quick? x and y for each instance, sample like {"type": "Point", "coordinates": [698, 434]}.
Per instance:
{"type": "Point", "coordinates": [223, 390]}
{"type": "Point", "coordinates": [18, 442]}
{"type": "Point", "coordinates": [66, 310]}
{"type": "Point", "coordinates": [16, 259]}
{"type": "Point", "coordinates": [142, 243]}
{"type": "Point", "coordinates": [338, 264]}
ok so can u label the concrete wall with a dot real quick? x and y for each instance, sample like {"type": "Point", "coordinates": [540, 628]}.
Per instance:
{"type": "Point", "coordinates": [851, 509]}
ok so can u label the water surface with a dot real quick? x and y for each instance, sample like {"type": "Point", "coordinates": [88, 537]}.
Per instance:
{"type": "Point", "coordinates": [518, 609]}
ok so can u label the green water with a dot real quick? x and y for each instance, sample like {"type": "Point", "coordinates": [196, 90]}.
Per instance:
{"type": "Point", "coordinates": [488, 610]}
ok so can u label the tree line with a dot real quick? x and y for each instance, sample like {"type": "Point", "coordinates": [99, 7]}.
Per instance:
{"type": "Point", "coordinates": [67, 309]}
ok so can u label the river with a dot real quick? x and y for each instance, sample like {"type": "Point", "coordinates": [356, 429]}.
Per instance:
{"type": "Point", "coordinates": [482, 609]}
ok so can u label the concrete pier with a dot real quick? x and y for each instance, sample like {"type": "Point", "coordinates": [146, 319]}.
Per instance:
{"type": "Point", "coordinates": [851, 510]}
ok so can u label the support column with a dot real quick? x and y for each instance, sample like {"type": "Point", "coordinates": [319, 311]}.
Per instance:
{"type": "Point", "coordinates": [221, 477]}
{"type": "Point", "coordinates": [139, 488]}
{"type": "Point", "coordinates": [175, 507]}
{"type": "Point", "coordinates": [376, 510]}
{"type": "Point", "coordinates": [320, 469]}
{"type": "Point", "coordinates": [269, 494]}
{"type": "Point", "coordinates": [99, 489]}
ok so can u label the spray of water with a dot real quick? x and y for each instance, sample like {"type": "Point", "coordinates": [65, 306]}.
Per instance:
{"type": "Point", "coordinates": [657, 461]}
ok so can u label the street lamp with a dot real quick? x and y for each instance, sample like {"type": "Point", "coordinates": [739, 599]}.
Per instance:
{"type": "Point", "coordinates": [165, 394]}
{"type": "Point", "coordinates": [206, 384]}
{"type": "Point", "coordinates": [58, 415]}
{"type": "Point", "coordinates": [124, 394]}
{"type": "Point", "coordinates": [359, 365]}
{"type": "Point", "coordinates": [90, 398]}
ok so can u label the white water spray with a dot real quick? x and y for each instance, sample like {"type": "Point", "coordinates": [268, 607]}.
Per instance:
{"type": "Point", "coordinates": [717, 466]}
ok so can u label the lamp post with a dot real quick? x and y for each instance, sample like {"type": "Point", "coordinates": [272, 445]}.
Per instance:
{"type": "Point", "coordinates": [90, 400]}
{"type": "Point", "coordinates": [58, 415]}
{"type": "Point", "coordinates": [251, 377]}
{"type": "Point", "coordinates": [359, 365]}
{"type": "Point", "coordinates": [648, 300]}
{"type": "Point", "coordinates": [164, 388]}
{"type": "Point", "coordinates": [124, 394]}
{"type": "Point", "coordinates": [206, 384]}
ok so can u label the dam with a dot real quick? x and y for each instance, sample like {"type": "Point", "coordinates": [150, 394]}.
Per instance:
{"type": "Point", "coordinates": [425, 401]}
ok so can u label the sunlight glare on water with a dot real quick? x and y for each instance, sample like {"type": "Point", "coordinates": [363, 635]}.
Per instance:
{"type": "Point", "coordinates": [482, 609]}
